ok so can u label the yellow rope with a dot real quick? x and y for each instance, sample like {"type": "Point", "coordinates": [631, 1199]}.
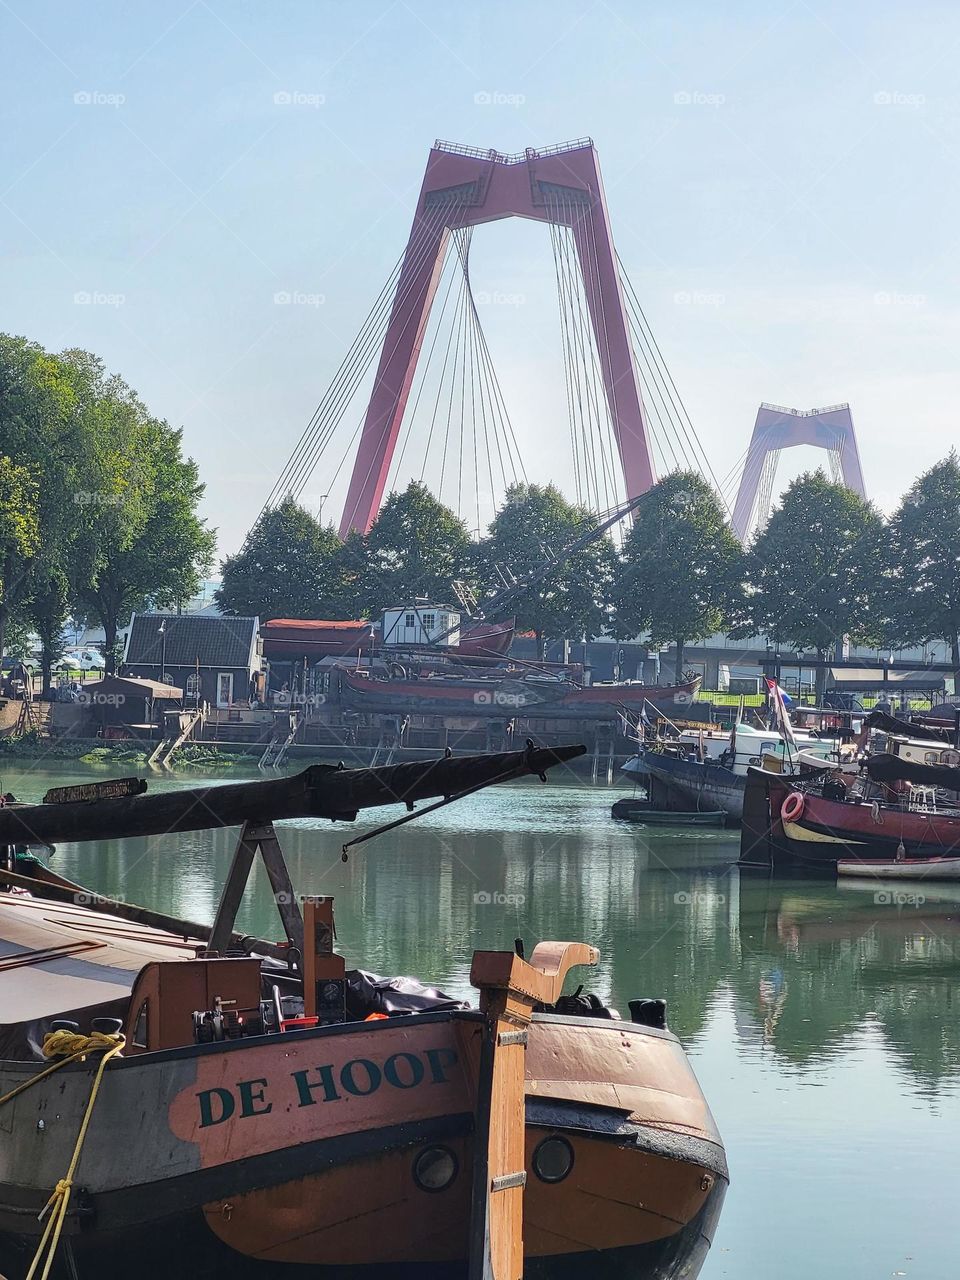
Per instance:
{"type": "Point", "coordinates": [67, 1046]}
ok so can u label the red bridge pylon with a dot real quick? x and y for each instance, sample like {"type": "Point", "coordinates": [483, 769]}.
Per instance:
{"type": "Point", "coordinates": [464, 186]}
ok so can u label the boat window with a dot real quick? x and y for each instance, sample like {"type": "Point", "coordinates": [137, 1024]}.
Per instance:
{"type": "Point", "coordinates": [930, 757]}
{"type": "Point", "coordinates": [140, 1027]}
{"type": "Point", "coordinates": [409, 620]}
{"type": "Point", "coordinates": [429, 621]}
{"type": "Point", "coordinates": [768, 746]}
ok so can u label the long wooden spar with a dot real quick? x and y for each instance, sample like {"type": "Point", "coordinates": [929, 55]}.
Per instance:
{"type": "Point", "coordinates": [322, 791]}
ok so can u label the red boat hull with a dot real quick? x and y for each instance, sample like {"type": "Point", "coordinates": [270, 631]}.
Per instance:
{"type": "Point", "coordinates": [828, 830]}
{"type": "Point", "coordinates": [508, 697]}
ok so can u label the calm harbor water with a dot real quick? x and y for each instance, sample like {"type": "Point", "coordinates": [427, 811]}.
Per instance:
{"type": "Point", "coordinates": [822, 1022]}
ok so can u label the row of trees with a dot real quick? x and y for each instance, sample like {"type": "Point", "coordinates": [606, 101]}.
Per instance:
{"type": "Point", "coordinates": [826, 566]}
{"type": "Point", "coordinates": [98, 505]}
{"type": "Point", "coordinates": [293, 566]}
{"type": "Point", "coordinates": [98, 517]}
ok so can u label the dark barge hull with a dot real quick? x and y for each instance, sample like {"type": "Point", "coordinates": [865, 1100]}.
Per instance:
{"type": "Point", "coordinates": [707, 787]}
{"type": "Point", "coordinates": [829, 830]}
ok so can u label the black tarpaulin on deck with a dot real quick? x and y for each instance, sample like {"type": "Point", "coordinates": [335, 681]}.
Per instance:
{"type": "Point", "coordinates": [887, 768]}
{"type": "Point", "coordinates": [904, 728]}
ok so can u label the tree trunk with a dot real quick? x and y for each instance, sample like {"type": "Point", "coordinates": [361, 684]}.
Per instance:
{"type": "Point", "coordinates": [541, 646]}
{"type": "Point", "coordinates": [110, 644]}
{"type": "Point", "coordinates": [46, 669]}
{"type": "Point", "coordinates": [678, 672]}
{"type": "Point", "coordinates": [955, 657]}
{"type": "Point", "coordinates": [4, 614]}
{"type": "Point", "coordinates": [821, 684]}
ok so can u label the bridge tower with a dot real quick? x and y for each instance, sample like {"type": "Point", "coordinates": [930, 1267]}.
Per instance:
{"type": "Point", "coordinates": [778, 428]}
{"type": "Point", "coordinates": [464, 186]}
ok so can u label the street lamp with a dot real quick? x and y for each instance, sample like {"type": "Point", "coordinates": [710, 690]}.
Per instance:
{"type": "Point", "coordinates": [162, 633]}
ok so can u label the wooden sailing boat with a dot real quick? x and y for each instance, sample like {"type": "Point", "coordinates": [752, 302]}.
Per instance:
{"type": "Point", "coordinates": [274, 1115]}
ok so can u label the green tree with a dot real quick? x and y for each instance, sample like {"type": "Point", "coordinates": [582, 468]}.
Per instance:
{"type": "Point", "coordinates": [533, 525]}
{"type": "Point", "coordinates": [142, 541]}
{"type": "Point", "coordinates": [416, 547]}
{"type": "Point", "coordinates": [290, 566]}
{"type": "Point", "coordinates": [923, 601]}
{"type": "Point", "coordinates": [681, 572]}
{"type": "Point", "coordinates": [42, 431]}
{"type": "Point", "coordinates": [814, 572]}
{"type": "Point", "coordinates": [19, 538]}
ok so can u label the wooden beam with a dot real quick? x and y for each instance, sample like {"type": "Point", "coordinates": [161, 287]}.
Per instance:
{"type": "Point", "coordinates": [509, 990]}
{"type": "Point", "coordinates": [322, 791]}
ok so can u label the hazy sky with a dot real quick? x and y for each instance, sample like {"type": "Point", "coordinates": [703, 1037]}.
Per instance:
{"type": "Point", "coordinates": [791, 169]}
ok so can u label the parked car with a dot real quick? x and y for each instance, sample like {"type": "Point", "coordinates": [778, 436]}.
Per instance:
{"type": "Point", "coordinates": [81, 660]}
{"type": "Point", "coordinates": [8, 664]}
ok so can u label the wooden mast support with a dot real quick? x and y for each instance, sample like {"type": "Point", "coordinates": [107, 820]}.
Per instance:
{"type": "Point", "coordinates": [510, 988]}
{"type": "Point", "coordinates": [253, 837]}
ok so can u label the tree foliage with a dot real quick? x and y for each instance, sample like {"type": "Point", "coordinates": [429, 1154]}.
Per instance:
{"type": "Point", "coordinates": [533, 524]}
{"type": "Point", "coordinates": [290, 566]}
{"type": "Point", "coordinates": [815, 570]}
{"type": "Point", "coordinates": [140, 539]}
{"type": "Point", "coordinates": [681, 573]}
{"type": "Point", "coordinates": [923, 600]}
{"type": "Point", "coordinates": [416, 547]}
{"type": "Point", "coordinates": [108, 502]}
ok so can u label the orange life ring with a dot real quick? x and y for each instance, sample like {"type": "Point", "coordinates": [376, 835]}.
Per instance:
{"type": "Point", "coordinates": [792, 807]}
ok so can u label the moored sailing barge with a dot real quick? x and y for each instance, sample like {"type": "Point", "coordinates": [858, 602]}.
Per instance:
{"type": "Point", "coordinates": [272, 1114]}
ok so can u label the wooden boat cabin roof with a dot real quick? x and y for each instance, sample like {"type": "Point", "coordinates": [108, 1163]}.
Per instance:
{"type": "Point", "coordinates": [56, 957]}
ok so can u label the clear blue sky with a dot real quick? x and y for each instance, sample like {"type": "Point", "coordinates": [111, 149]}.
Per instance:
{"type": "Point", "coordinates": [809, 191]}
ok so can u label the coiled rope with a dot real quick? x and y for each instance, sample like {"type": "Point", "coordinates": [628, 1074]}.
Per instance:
{"type": "Point", "coordinates": [66, 1047]}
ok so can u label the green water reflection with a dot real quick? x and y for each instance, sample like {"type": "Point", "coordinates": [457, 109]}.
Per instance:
{"type": "Point", "coordinates": [821, 1021]}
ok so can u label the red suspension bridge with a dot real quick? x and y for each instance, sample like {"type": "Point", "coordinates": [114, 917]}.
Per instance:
{"type": "Point", "coordinates": [436, 404]}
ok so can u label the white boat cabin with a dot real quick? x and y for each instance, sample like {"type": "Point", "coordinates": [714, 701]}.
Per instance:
{"type": "Point", "coordinates": [420, 623]}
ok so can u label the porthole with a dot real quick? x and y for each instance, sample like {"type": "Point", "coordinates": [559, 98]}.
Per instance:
{"type": "Point", "coordinates": [435, 1168]}
{"type": "Point", "coordinates": [553, 1159]}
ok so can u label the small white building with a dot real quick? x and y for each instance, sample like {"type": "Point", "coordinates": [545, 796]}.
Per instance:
{"type": "Point", "coordinates": [420, 623]}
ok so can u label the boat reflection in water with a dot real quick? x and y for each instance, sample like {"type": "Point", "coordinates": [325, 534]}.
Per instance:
{"type": "Point", "coordinates": [821, 963]}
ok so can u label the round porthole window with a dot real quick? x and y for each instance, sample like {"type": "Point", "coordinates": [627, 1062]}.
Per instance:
{"type": "Point", "coordinates": [553, 1159]}
{"type": "Point", "coordinates": [435, 1168]}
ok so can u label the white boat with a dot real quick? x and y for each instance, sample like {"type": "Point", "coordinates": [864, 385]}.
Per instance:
{"type": "Point", "coordinates": [903, 869]}
{"type": "Point", "coordinates": [749, 746]}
